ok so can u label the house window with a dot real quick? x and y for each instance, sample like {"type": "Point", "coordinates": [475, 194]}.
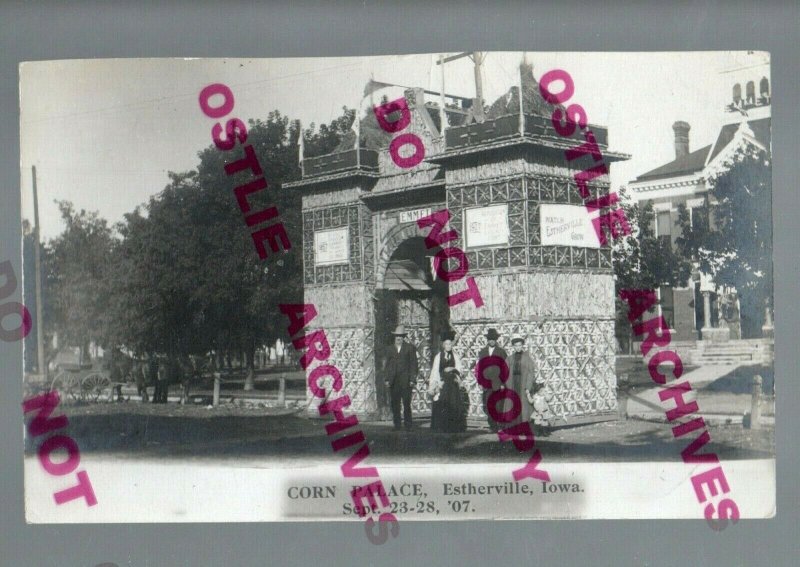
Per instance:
{"type": "Point", "coordinates": [737, 94]}
{"type": "Point", "coordinates": [750, 90]}
{"type": "Point", "coordinates": [664, 225]}
{"type": "Point", "coordinates": [763, 88]}
{"type": "Point", "coordinates": [696, 209]}
{"type": "Point", "coordinates": [696, 217]}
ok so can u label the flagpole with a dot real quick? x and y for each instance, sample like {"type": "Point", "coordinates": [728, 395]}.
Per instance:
{"type": "Point", "coordinates": [521, 107]}
{"type": "Point", "coordinates": [442, 114]}
{"type": "Point", "coordinates": [371, 91]}
{"type": "Point", "coordinates": [301, 148]}
{"type": "Point", "coordinates": [357, 122]}
{"type": "Point", "coordinates": [358, 136]}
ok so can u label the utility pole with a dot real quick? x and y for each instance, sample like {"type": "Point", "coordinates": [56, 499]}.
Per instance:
{"type": "Point", "coordinates": [38, 260]}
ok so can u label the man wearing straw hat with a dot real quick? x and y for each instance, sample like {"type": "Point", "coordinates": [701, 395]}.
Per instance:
{"type": "Point", "coordinates": [401, 376]}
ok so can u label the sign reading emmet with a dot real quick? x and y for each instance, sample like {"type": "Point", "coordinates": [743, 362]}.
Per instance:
{"type": "Point", "coordinates": [566, 225]}
{"type": "Point", "coordinates": [413, 215]}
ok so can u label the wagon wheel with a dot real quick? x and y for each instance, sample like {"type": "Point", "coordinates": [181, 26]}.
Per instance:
{"type": "Point", "coordinates": [93, 386]}
{"type": "Point", "coordinates": [67, 385]}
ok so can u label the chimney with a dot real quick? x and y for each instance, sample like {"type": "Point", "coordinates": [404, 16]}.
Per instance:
{"type": "Point", "coordinates": [681, 129]}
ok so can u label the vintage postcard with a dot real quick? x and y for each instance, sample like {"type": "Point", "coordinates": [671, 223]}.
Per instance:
{"type": "Point", "coordinates": [383, 289]}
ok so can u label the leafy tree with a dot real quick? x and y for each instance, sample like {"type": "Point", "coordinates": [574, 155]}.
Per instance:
{"type": "Point", "coordinates": [733, 242]}
{"type": "Point", "coordinates": [78, 263]}
{"type": "Point", "coordinates": [334, 137]}
{"type": "Point", "coordinates": [193, 281]}
{"type": "Point", "coordinates": [159, 260]}
{"type": "Point", "coordinates": [247, 290]}
{"type": "Point", "coordinates": [642, 260]}
{"type": "Point", "coordinates": [183, 277]}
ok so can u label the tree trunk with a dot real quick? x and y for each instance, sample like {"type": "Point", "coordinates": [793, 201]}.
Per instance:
{"type": "Point", "coordinates": [249, 381]}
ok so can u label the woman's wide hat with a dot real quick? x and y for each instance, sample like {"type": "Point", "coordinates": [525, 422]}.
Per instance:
{"type": "Point", "coordinates": [400, 331]}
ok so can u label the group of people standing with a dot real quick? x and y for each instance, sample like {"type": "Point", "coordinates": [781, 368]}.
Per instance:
{"type": "Point", "coordinates": [448, 384]}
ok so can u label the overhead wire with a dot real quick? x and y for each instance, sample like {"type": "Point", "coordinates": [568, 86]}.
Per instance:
{"type": "Point", "coordinates": [243, 86]}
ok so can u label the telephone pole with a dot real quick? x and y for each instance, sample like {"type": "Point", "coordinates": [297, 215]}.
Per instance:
{"type": "Point", "coordinates": [38, 259]}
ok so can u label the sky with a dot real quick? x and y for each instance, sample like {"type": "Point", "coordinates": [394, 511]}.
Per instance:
{"type": "Point", "coordinates": [104, 133]}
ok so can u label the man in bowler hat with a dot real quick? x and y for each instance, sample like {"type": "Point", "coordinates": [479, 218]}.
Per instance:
{"type": "Point", "coordinates": [401, 376]}
{"type": "Point", "coordinates": [492, 372]}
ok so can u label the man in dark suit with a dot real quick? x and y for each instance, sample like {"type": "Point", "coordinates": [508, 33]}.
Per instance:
{"type": "Point", "coordinates": [492, 372]}
{"type": "Point", "coordinates": [401, 376]}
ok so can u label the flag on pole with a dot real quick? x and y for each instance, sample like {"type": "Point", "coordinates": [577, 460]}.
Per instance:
{"type": "Point", "coordinates": [373, 85]}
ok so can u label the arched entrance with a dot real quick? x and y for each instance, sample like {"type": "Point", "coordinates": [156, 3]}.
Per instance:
{"type": "Point", "coordinates": [408, 293]}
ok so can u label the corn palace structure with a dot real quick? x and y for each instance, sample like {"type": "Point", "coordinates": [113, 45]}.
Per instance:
{"type": "Point", "coordinates": [501, 173]}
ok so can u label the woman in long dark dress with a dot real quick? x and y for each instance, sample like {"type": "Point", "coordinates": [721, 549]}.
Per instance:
{"type": "Point", "coordinates": [448, 390]}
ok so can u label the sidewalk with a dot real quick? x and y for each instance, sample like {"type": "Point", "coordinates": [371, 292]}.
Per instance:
{"type": "Point", "coordinates": [718, 408]}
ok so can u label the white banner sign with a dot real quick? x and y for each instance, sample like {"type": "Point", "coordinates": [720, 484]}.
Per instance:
{"type": "Point", "coordinates": [567, 225]}
{"type": "Point", "coordinates": [331, 247]}
{"type": "Point", "coordinates": [486, 226]}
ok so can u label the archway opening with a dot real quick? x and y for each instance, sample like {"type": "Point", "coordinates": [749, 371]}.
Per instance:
{"type": "Point", "coordinates": [411, 295]}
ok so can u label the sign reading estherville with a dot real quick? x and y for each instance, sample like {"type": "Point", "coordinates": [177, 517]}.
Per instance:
{"type": "Point", "coordinates": [567, 225]}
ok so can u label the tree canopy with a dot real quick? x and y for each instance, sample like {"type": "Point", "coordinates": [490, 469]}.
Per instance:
{"type": "Point", "coordinates": [732, 238]}
{"type": "Point", "coordinates": [77, 279]}
{"type": "Point", "coordinates": [643, 261]}
{"type": "Point", "coordinates": [179, 275]}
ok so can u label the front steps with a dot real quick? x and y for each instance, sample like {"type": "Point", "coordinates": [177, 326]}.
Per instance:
{"type": "Point", "coordinates": [732, 353]}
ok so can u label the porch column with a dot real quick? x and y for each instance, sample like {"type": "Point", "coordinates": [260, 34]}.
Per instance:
{"type": "Point", "coordinates": [706, 309]}
{"type": "Point", "coordinates": [768, 328]}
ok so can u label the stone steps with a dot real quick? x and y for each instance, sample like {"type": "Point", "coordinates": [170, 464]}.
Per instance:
{"type": "Point", "coordinates": [721, 361]}
{"type": "Point", "coordinates": [726, 355]}
{"type": "Point", "coordinates": [736, 352]}
{"type": "Point", "coordinates": [728, 349]}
